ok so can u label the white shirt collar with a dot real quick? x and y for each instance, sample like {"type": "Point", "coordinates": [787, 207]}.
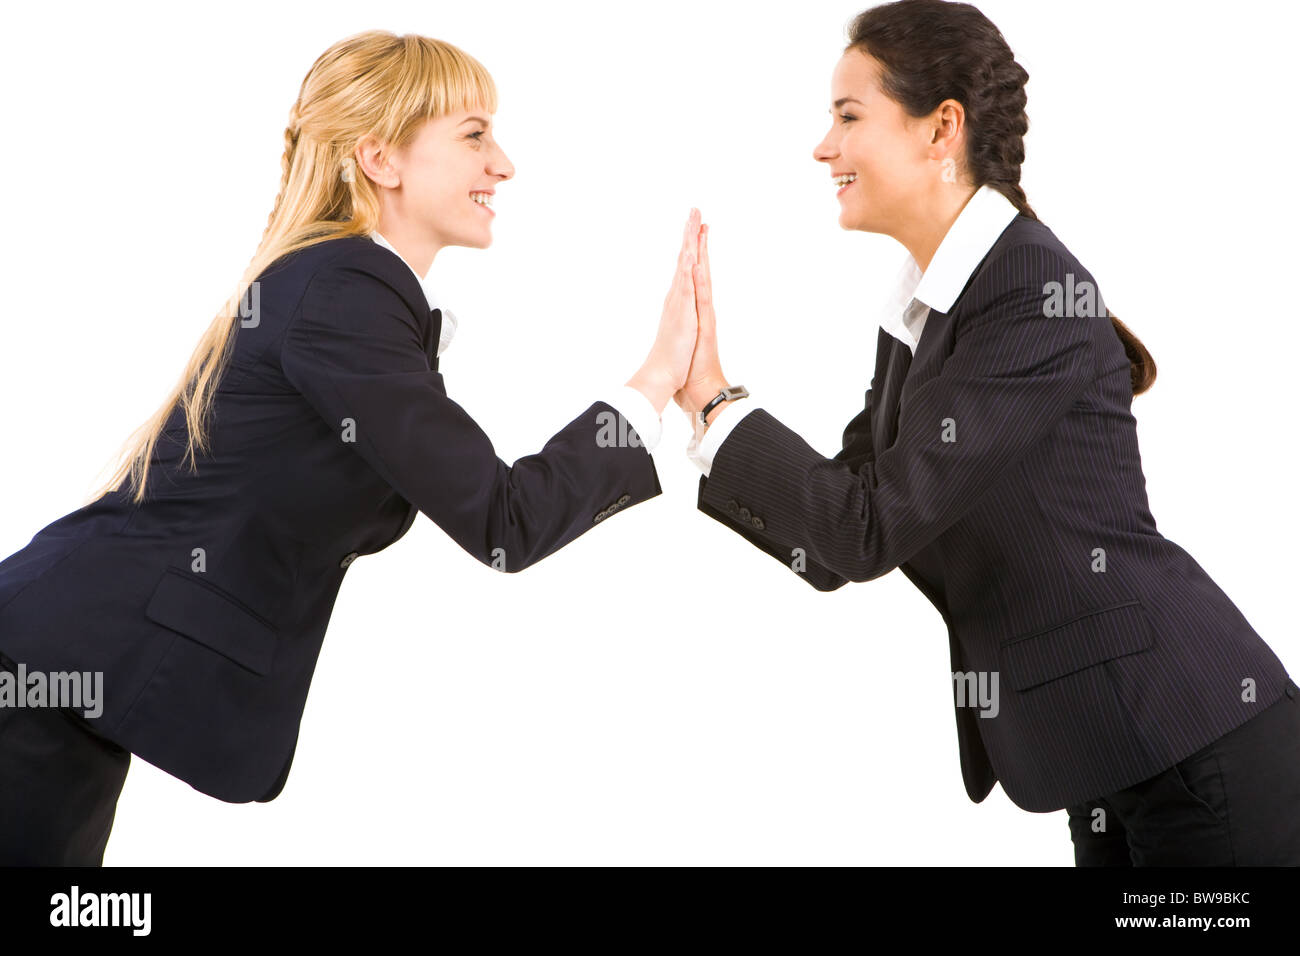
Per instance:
{"type": "Point", "coordinates": [448, 318]}
{"type": "Point", "coordinates": [977, 227]}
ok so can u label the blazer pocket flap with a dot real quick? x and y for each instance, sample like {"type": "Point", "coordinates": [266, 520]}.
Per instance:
{"type": "Point", "coordinates": [1082, 642]}
{"type": "Point", "coordinates": [205, 613]}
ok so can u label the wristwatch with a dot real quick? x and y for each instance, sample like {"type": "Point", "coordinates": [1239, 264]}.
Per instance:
{"type": "Point", "coordinates": [728, 394]}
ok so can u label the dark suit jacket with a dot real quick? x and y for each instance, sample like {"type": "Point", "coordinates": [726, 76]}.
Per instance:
{"type": "Point", "coordinates": [331, 429]}
{"type": "Point", "coordinates": [999, 469]}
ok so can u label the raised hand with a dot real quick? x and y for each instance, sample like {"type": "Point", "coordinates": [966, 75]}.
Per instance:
{"type": "Point", "coordinates": [666, 368]}
{"type": "Point", "coordinates": [704, 378]}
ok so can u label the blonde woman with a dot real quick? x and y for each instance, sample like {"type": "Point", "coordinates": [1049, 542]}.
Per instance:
{"type": "Point", "coordinates": [309, 427]}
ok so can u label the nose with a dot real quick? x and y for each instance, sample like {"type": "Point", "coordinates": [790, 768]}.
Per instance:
{"type": "Point", "coordinates": [824, 151]}
{"type": "Point", "coordinates": [500, 166]}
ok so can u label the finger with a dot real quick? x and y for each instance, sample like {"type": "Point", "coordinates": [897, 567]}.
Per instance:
{"type": "Point", "coordinates": [684, 281]}
{"type": "Point", "coordinates": [704, 285]}
{"type": "Point", "coordinates": [683, 275]}
{"type": "Point", "coordinates": [688, 283]}
{"type": "Point", "coordinates": [688, 235]}
{"type": "Point", "coordinates": [681, 295]}
{"type": "Point", "coordinates": [687, 276]}
{"type": "Point", "coordinates": [686, 256]}
{"type": "Point", "coordinates": [682, 289]}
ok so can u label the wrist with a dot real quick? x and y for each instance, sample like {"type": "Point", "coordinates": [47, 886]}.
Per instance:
{"type": "Point", "coordinates": [657, 389]}
{"type": "Point", "coordinates": [701, 394]}
{"type": "Point", "coordinates": [713, 412]}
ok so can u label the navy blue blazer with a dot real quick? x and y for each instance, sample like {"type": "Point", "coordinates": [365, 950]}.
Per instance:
{"type": "Point", "coordinates": [999, 469]}
{"type": "Point", "coordinates": [206, 605]}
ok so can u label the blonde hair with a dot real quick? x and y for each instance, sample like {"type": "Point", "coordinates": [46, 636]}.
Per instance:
{"type": "Point", "coordinates": [374, 82]}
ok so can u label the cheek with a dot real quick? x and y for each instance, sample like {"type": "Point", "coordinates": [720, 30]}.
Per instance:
{"type": "Point", "coordinates": [445, 196]}
{"type": "Point", "coordinates": [885, 160]}
{"type": "Point", "coordinates": [860, 156]}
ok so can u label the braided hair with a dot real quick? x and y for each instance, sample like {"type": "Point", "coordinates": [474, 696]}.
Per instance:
{"type": "Point", "coordinates": [933, 50]}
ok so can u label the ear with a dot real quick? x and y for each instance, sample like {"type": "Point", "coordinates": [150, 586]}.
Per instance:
{"type": "Point", "coordinates": [947, 129]}
{"type": "Point", "coordinates": [373, 156]}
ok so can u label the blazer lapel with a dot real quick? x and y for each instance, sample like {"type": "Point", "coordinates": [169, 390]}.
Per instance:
{"type": "Point", "coordinates": [435, 323]}
{"type": "Point", "coordinates": [901, 373]}
{"type": "Point", "coordinates": [898, 359]}
{"type": "Point", "coordinates": [435, 316]}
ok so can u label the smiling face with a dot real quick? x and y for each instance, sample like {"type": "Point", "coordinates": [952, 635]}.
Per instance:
{"type": "Point", "coordinates": [428, 186]}
{"type": "Point", "coordinates": [894, 156]}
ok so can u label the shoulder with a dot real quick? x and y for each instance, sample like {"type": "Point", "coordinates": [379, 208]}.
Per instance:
{"type": "Point", "coordinates": [1031, 298]}
{"type": "Point", "coordinates": [356, 293]}
{"type": "Point", "coordinates": [352, 267]}
{"type": "Point", "coordinates": [360, 256]}
{"type": "Point", "coordinates": [1028, 259]}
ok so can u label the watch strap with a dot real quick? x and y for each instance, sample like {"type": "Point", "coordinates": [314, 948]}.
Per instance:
{"type": "Point", "coordinates": [728, 394]}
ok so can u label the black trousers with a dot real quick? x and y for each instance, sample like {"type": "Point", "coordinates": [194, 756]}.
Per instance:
{"type": "Point", "coordinates": [1235, 802]}
{"type": "Point", "coordinates": [59, 784]}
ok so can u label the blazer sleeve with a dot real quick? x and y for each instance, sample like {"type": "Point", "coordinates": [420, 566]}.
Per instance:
{"type": "Point", "coordinates": [1012, 376]}
{"type": "Point", "coordinates": [356, 352]}
{"type": "Point", "coordinates": [856, 451]}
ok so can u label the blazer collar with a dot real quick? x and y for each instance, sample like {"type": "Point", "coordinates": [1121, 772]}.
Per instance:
{"type": "Point", "coordinates": [448, 318]}
{"type": "Point", "coordinates": [968, 240]}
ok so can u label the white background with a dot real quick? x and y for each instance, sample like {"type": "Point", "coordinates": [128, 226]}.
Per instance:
{"type": "Point", "coordinates": [658, 692]}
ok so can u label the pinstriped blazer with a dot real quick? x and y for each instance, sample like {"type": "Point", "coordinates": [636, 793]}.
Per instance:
{"type": "Point", "coordinates": [999, 470]}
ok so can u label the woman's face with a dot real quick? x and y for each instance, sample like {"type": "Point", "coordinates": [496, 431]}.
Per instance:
{"type": "Point", "coordinates": [871, 136]}
{"type": "Point", "coordinates": [437, 174]}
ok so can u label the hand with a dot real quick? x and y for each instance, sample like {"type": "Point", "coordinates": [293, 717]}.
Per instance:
{"type": "Point", "coordinates": [704, 378]}
{"type": "Point", "coordinates": [665, 369]}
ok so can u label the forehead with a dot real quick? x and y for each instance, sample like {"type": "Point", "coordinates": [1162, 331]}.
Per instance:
{"type": "Point", "coordinates": [455, 122]}
{"type": "Point", "coordinates": [463, 116]}
{"type": "Point", "coordinates": [855, 75]}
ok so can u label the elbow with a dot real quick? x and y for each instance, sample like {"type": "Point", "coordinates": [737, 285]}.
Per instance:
{"type": "Point", "coordinates": [860, 574]}
{"type": "Point", "coordinates": [512, 557]}
{"type": "Point", "coordinates": [830, 582]}
{"type": "Point", "coordinates": [503, 559]}
{"type": "Point", "coordinates": [863, 567]}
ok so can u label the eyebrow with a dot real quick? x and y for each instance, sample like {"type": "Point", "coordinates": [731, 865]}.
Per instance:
{"type": "Point", "coordinates": [474, 119]}
{"type": "Point", "coordinates": [846, 99]}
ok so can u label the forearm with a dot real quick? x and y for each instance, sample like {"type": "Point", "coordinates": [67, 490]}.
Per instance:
{"type": "Point", "coordinates": [528, 510]}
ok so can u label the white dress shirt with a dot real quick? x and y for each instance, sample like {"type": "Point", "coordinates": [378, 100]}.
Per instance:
{"type": "Point", "coordinates": [627, 401]}
{"type": "Point", "coordinates": [977, 227]}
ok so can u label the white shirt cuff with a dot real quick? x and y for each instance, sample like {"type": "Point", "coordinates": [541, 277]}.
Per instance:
{"type": "Point", "coordinates": [640, 414]}
{"type": "Point", "coordinates": [702, 452]}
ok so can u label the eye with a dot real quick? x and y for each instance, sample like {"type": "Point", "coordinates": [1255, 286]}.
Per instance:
{"type": "Point", "coordinates": [847, 118]}
{"type": "Point", "coordinates": [475, 136]}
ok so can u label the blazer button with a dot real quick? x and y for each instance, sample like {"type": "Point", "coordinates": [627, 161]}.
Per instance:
{"type": "Point", "coordinates": [349, 559]}
{"type": "Point", "coordinates": [757, 523]}
{"type": "Point", "coordinates": [732, 506]}
{"type": "Point", "coordinates": [744, 514]}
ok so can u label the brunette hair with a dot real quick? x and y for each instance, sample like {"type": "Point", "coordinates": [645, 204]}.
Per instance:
{"type": "Point", "coordinates": [934, 50]}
